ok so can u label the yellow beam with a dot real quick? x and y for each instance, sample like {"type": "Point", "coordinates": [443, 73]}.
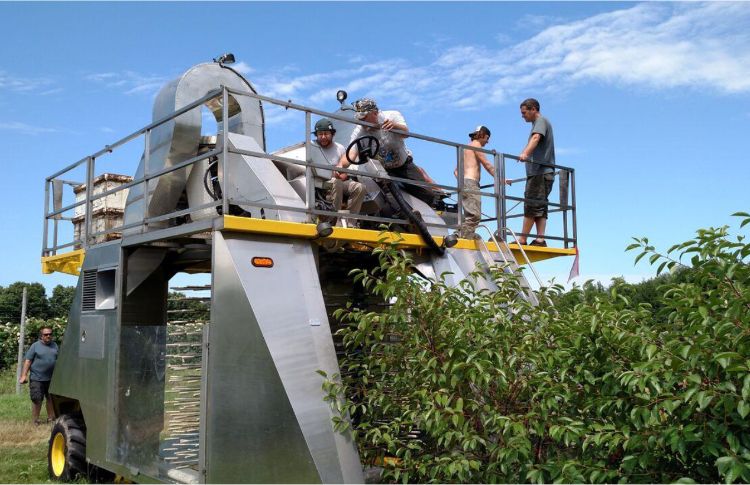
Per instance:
{"type": "Point", "coordinates": [69, 263]}
{"type": "Point", "coordinates": [366, 236]}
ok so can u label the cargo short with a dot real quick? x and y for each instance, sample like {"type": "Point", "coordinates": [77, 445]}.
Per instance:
{"type": "Point", "coordinates": [538, 188]}
{"type": "Point", "coordinates": [38, 391]}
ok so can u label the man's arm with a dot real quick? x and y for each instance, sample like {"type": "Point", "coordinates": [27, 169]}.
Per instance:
{"type": "Point", "coordinates": [485, 163]}
{"type": "Point", "coordinates": [25, 371]}
{"type": "Point", "coordinates": [533, 143]}
{"type": "Point", "coordinates": [344, 163]}
{"type": "Point", "coordinates": [395, 121]}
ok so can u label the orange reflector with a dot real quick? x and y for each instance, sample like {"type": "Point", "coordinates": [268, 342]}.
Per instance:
{"type": "Point", "coordinates": [259, 262]}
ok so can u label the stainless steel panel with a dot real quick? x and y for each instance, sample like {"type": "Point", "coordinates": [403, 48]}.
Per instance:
{"type": "Point", "coordinates": [255, 179]}
{"type": "Point", "coordinates": [266, 420]}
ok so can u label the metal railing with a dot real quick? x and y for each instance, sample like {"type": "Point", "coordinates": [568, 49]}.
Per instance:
{"type": "Point", "coordinates": [54, 183]}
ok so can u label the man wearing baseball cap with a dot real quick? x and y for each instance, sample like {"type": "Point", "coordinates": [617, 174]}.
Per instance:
{"type": "Point", "coordinates": [472, 202]}
{"type": "Point", "coordinates": [341, 185]}
{"type": "Point", "coordinates": [393, 154]}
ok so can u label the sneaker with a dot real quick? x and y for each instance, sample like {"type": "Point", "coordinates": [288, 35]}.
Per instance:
{"type": "Point", "coordinates": [536, 242]}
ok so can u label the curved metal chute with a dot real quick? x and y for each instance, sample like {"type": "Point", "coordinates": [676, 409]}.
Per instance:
{"type": "Point", "coordinates": [178, 139]}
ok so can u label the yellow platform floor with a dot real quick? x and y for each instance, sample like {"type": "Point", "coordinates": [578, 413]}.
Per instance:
{"type": "Point", "coordinates": [71, 262]}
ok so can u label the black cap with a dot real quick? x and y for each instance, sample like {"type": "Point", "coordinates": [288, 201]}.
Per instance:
{"type": "Point", "coordinates": [324, 124]}
{"type": "Point", "coordinates": [481, 129]}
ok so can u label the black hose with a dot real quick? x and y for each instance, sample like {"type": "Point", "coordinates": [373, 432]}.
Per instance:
{"type": "Point", "coordinates": [415, 219]}
{"type": "Point", "coordinates": [206, 175]}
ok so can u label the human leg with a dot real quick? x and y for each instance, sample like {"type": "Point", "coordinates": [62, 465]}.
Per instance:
{"type": "Point", "coordinates": [410, 171]}
{"type": "Point", "coordinates": [336, 193]}
{"type": "Point", "coordinates": [355, 192]}
{"type": "Point", "coordinates": [50, 409]}
{"type": "Point", "coordinates": [541, 221]}
{"type": "Point", "coordinates": [533, 205]}
{"type": "Point", "coordinates": [472, 206]}
{"type": "Point", "coordinates": [528, 223]}
{"type": "Point", "coordinates": [36, 393]}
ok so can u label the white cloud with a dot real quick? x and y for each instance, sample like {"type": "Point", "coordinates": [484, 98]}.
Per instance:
{"type": "Point", "coordinates": [129, 82]}
{"type": "Point", "coordinates": [17, 84]}
{"type": "Point", "coordinates": [651, 45]}
{"type": "Point", "coordinates": [243, 68]}
{"type": "Point", "coordinates": [25, 129]}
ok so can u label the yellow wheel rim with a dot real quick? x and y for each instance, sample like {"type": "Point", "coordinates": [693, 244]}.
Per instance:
{"type": "Point", "coordinates": [57, 454]}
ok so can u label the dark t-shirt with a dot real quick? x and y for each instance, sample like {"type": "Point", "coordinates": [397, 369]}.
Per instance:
{"type": "Point", "coordinates": [43, 358]}
{"type": "Point", "coordinates": [545, 150]}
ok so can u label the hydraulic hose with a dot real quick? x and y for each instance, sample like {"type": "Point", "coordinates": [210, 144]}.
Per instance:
{"type": "Point", "coordinates": [415, 219]}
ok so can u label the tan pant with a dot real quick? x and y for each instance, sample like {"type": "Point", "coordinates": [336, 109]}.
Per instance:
{"type": "Point", "coordinates": [354, 191]}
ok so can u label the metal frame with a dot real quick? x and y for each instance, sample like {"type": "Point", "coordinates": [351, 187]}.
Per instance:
{"type": "Point", "coordinates": [498, 193]}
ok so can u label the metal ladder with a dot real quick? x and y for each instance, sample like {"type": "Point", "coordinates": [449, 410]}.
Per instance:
{"type": "Point", "coordinates": [509, 262]}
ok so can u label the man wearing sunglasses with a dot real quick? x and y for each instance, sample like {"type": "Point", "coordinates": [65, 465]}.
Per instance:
{"type": "Point", "coordinates": [40, 362]}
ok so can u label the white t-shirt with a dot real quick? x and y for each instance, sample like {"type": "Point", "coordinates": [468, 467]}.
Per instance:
{"type": "Point", "coordinates": [393, 151]}
{"type": "Point", "coordinates": [329, 155]}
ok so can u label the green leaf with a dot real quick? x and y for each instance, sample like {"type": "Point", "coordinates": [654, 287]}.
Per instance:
{"type": "Point", "coordinates": [724, 463]}
{"type": "Point", "coordinates": [743, 409]}
{"type": "Point", "coordinates": [704, 400]}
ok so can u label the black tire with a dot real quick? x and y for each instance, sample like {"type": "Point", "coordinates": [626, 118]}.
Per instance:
{"type": "Point", "coordinates": [66, 454]}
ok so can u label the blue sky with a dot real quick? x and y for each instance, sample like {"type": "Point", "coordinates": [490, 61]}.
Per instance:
{"type": "Point", "coordinates": [649, 101]}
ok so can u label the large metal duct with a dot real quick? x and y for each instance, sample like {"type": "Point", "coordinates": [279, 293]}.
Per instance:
{"type": "Point", "coordinates": [178, 140]}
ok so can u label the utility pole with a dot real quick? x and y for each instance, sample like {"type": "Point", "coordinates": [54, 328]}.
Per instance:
{"type": "Point", "coordinates": [21, 339]}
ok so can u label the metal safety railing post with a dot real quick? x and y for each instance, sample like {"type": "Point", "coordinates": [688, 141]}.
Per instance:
{"type": "Point", "coordinates": [500, 213]}
{"type": "Point", "coordinates": [146, 163]}
{"type": "Point", "coordinates": [309, 184]}
{"type": "Point", "coordinates": [565, 208]}
{"type": "Point", "coordinates": [574, 207]}
{"type": "Point", "coordinates": [89, 206]}
{"type": "Point", "coordinates": [460, 187]}
{"type": "Point", "coordinates": [224, 165]}
{"type": "Point", "coordinates": [45, 235]}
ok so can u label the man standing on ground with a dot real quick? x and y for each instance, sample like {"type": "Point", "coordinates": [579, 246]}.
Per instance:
{"type": "Point", "coordinates": [472, 203]}
{"type": "Point", "coordinates": [539, 178]}
{"type": "Point", "coordinates": [341, 185]}
{"type": "Point", "coordinates": [393, 154]}
{"type": "Point", "coordinates": [40, 360]}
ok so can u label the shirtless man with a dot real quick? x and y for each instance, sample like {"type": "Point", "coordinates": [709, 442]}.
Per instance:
{"type": "Point", "coordinates": [472, 203]}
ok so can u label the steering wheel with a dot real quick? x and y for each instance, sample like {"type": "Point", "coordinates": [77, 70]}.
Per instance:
{"type": "Point", "coordinates": [367, 147]}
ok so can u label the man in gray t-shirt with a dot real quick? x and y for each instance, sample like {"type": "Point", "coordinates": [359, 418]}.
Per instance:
{"type": "Point", "coordinates": [340, 183]}
{"type": "Point", "coordinates": [40, 361]}
{"type": "Point", "coordinates": [539, 178]}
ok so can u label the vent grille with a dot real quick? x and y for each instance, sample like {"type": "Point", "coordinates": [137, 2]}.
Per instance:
{"type": "Point", "coordinates": [88, 300]}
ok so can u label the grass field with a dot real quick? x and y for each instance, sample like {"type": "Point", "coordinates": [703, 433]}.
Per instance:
{"type": "Point", "coordinates": [23, 446]}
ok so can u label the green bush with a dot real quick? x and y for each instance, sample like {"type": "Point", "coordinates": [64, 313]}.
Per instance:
{"type": "Point", "coordinates": [10, 332]}
{"type": "Point", "coordinates": [475, 386]}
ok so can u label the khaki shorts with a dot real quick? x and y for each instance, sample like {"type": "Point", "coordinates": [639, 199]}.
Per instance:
{"type": "Point", "coordinates": [538, 188]}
